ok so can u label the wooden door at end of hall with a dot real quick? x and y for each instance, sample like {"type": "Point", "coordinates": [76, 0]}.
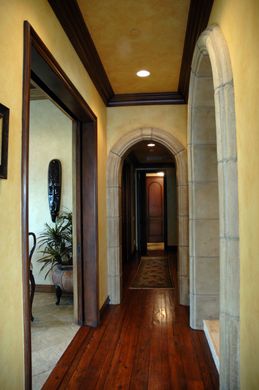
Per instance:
{"type": "Point", "coordinates": [155, 208]}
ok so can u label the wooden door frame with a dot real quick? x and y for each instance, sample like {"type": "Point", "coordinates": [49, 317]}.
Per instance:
{"type": "Point", "coordinates": [41, 66]}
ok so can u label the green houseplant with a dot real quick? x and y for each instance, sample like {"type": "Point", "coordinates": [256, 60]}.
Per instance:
{"type": "Point", "coordinates": [57, 243]}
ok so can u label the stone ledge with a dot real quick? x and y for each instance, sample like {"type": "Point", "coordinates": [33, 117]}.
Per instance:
{"type": "Point", "coordinates": [211, 330]}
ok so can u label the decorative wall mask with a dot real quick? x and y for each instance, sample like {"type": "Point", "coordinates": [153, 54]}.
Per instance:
{"type": "Point", "coordinates": [54, 187]}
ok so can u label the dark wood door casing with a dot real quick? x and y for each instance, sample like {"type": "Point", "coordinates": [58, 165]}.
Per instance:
{"type": "Point", "coordinates": [41, 66]}
{"type": "Point", "coordinates": [89, 224]}
{"type": "Point", "coordinates": [155, 209]}
{"type": "Point", "coordinates": [126, 212]}
{"type": "Point", "coordinates": [141, 212]}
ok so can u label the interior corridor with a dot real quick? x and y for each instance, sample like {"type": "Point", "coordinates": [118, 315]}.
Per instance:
{"type": "Point", "coordinates": [144, 343]}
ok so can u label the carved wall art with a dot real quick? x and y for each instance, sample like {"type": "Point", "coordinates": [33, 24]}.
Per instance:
{"type": "Point", "coordinates": [54, 187]}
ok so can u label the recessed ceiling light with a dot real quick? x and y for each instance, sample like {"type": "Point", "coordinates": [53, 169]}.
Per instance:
{"type": "Point", "coordinates": [151, 145]}
{"type": "Point", "coordinates": [143, 73]}
{"type": "Point", "coordinates": [160, 174]}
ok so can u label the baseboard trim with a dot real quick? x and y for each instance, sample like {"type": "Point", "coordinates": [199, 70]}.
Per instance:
{"type": "Point", "coordinates": [45, 288]}
{"type": "Point", "coordinates": [104, 307]}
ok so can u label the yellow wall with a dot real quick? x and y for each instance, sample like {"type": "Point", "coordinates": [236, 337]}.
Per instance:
{"type": "Point", "coordinates": [238, 20]}
{"type": "Point", "coordinates": [40, 15]}
{"type": "Point", "coordinates": [172, 118]}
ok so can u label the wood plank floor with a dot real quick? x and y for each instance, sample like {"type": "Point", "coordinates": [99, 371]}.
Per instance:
{"type": "Point", "coordinates": [144, 343]}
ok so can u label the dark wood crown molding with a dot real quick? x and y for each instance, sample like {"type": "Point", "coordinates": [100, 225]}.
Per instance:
{"type": "Point", "coordinates": [198, 18]}
{"type": "Point", "coordinates": [140, 99]}
{"type": "Point", "coordinates": [72, 21]}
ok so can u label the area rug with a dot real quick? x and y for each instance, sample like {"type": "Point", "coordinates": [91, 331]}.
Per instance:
{"type": "Point", "coordinates": [153, 272]}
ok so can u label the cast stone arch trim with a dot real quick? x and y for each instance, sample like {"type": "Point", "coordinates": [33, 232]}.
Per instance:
{"type": "Point", "coordinates": [211, 62]}
{"type": "Point", "coordinates": [114, 171]}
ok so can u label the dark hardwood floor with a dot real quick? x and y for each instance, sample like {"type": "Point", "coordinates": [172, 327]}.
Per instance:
{"type": "Point", "coordinates": [144, 343]}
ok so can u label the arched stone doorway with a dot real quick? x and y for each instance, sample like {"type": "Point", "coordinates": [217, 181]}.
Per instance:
{"type": "Point", "coordinates": [213, 192]}
{"type": "Point", "coordinates": [114, 170]}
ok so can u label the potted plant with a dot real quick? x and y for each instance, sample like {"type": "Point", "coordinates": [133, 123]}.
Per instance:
{"type": "Point", "coordinates": [57, 253]}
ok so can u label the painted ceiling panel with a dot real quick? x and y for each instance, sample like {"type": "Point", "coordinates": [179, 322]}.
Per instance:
{"type": "Point", "coordinates": [131, 35]}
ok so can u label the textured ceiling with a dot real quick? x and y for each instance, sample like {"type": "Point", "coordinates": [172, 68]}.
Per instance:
{"type": "Point", "coordinates": [130, 35]}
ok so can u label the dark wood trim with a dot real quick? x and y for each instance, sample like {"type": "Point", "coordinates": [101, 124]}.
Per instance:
{"type": "Point", "coordinates": [165, 212]}
{"type": "Point", "coordinates": [25, 225]}
{"type": "Point", "coordinates": [45, 288]}
{"type": "Point", "coordinates": [77, 145]}
{"type": "Point", "coordinates": [36, 93]}
{"type": "Point", "coordinates": [89, 206]}
{"type": "Point", "coordinates": [41, 66]}
{"type": "Point", "coordinates": [72, 21]}
{"type": "Point", "coordinates": [128, 210]}
{"type": "Point", "coordinates": [104, 307]}
{"type": "Point", "coordinates": [55, 82]}
{"type": "Point", "coordinates": [141, 212]}
{"type": "Point", "coordinates": [141, 99]}
{"type": "Point", "coordinates": [198, 18]}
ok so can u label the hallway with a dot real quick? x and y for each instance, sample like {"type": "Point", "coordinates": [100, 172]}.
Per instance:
{"type": "Point", "coordinates": [144, 343]}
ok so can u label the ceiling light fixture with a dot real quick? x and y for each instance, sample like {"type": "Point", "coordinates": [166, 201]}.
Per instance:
{"type": "Point", "coordinates": [151, 145]}
{"type": "Point", "coordinates": [143, 73]}
{"type": "Point", "coordinates": [161, 174]}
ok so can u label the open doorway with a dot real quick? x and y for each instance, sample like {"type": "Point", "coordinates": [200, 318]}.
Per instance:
{"type": "Point", "coordinates": [213, 190]}
{"type": "Point", "coordinates": [156, 217]}
{"type": "Point", "coordinates": [54, 317]}
{"type": "Point", "coordinates": [161, 208]}
{"type": "Point", "coordinates": [42, 68]}
{"type": "Point", "coordinates": [151, 209]}
{"type": "Point", "coordinates": [116, 156]}
{"type": "Point", "coordinates": [149, 201]}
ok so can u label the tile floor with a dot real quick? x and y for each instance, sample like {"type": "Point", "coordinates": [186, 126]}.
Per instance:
{"type": "Point", "coordinates": [52, 330]}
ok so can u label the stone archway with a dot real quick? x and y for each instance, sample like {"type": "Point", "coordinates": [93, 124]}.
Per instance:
{"type": "Point", "coordinates": [114, 170]}
{"type": "Point", "coordinates": [213, 166]}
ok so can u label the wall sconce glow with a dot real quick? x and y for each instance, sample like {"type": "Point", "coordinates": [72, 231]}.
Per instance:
{"type": "Point", "coordinates": [143, 73]}
{"type": "Point", "coordinates": [151, 145]}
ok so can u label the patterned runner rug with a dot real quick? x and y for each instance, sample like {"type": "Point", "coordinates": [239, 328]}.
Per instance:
{"type": "Point", "coordinates": [153, 272]}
